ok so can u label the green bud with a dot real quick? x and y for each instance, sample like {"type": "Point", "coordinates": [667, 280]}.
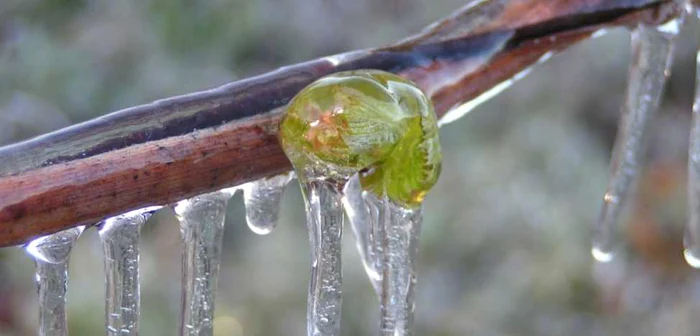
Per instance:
{"type": "Point", "coordinates": [366, 121]}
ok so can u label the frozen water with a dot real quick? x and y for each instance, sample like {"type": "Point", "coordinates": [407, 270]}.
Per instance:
{"type": "Point", "coordinates": [120, 242]}
{"type": "Point", "coordinates": [202, 228]}
{"type": "Point", "coordinates": [262, 201]}
{"type": "Point", "coordinates": [652, 48]}
{"type": "Point", "coordinates": [401, 228]}
{"type": "Point", "coordinates": [51, 254]}
{"type": "Point", "coordinates": [692, 233]}
{"type": "Point", "coordinates": [387, 238]}
{"type": "Point", "coordinates": [362, 211]}
{"type": "Point", "coordinates": [324, 217]}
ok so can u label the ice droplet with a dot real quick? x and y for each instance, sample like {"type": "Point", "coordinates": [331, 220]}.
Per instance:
{"type": "Point", "coordinates": [601, 256]}
{"type": "Point", "coordinates": [120, 243]}
{"type": "Point", "coordinates": [51, 254]}
{"type": "Point", "coordinates": [324, 218]}
{"type": "Point", "coordinates": [262, 201]}
{"type": "Point", "coordinates": [201, 227]}
{"type": "Point", "coordinates": [652, 48]}
{"type": "Point", "coordinates": [691, 259]}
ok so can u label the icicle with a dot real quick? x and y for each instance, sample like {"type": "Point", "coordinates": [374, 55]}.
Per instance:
{"type": "Point", "coordinates": [387, 237]}
{"type": "Point", "coordinates": [325, 224]}
{"type": "Point", "coordinates": [692, 234]}
{"type": "Point", "coordinates": [262, 200]}
{"type": "Point", "coordinates": [120, 238]}
{"type": "Point", "coordinates": [363, 214]}
{"type": "Point", "coordinates": [649, 69]}
{"type": "Point", "coordinates": [202, 228]}
{"type": "Point", "coordinates": [51, 255]}
{"type": "Point", "coordinates": [375, 134]}
{"type": "Point", "coordinates": [401, 228]}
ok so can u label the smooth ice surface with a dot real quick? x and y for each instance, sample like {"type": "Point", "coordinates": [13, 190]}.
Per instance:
{"type": "Point", "coordinates": [202, 227]}
{"type": "Point", "coordinates": [652, 48]}
{"type": "Point", "coordinates": [459, 111]}
{"type": "Point", "coordinates": [262, 202]}
{"type": "Point", "coordinates": [401, 229]}
{"type": "Point", "coordinates": [120, 244]}
{"type": "Point", "coordinates": [692, 233]}
{"type": "Point", "coordinates": [324, 218]}
{"type": "Point", "coordinates": [51, 254]}
{"type": "Point", "coordinates": [363, 215]}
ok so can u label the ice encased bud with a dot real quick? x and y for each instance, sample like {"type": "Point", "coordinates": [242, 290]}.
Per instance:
{"type": "Point", "coordinates": [366, 121]}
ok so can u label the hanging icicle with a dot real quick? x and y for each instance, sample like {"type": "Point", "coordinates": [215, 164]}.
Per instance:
{"type": "Point", "coordinates": [51, 254]}
{"type": "Point", "coordinates": [383, 127]}
{"type": "Point", "coordinates": [652, 48]}
{"type": "Point", "coordinates": [401, 227]}
{"type": "Point", "coordinates": [120, 242]}
{"type": "Point", "coordinates": [324, 218]}
{"type": "Point", "coordinates": [692, 233]}
{"type": "Point", "coordinates": [262, 202]}
{"type": "Point", "coordinates": [202, 228]}
{"type": "Point", "coordinates": [363, 213]}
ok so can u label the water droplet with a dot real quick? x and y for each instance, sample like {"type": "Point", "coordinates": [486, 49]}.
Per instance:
{"type": "Point", "coordinates": [691, 259]}
{"type": "Point", "coordinates": [601, 255]}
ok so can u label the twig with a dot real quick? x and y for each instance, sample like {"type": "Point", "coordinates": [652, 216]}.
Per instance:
{"type": "Point", "coordinates": [162, 152]}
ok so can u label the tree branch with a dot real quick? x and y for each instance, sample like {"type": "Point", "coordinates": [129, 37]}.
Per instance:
{"type": "Point", "coordinates": [172, 149]}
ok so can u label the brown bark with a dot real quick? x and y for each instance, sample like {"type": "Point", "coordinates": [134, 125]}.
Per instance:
{"type": "Point", "coordinates": [227, 136]}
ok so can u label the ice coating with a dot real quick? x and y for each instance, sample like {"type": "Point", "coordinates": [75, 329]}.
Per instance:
{"type": "Point", "coordinates": [324, 218]}
{"type": "Point", "coordinates": [401, 228]}
{"type": "Point", "coordinates": [365, 121]}
{"type": "Point", "coordinates": [363, 216]}
{"type": "Point", "coordinates": [120, 237]}
{"type": "Point", "coordinates": [652, 48]}
{"type": "Point", "coordinates": [51, 254]}
{"type": "Point", "coordinates": [262, 201]}
{"type": "Point", "coordinates": [381, 129]}
{"type": "Point", "coordinates": [202, 228]}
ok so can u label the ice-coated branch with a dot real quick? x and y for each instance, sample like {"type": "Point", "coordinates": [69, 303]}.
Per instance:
{"type": "Point", "coordinates": [176, 148]}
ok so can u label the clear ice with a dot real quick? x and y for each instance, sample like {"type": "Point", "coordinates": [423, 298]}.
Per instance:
{"type": "Point", "coordinates": [363, 215]}
{"type": "Point", "coordinates": [652, 49]}
{"type": "Point", "coordinates": [324, 218]}
{"type": "Point", "coordinates": [401, 228]}
{"type": "Point", "coordinates": [120, 242]}
{"type": "Point", "coordinates": [387, 238]}
{"type": "Point", "coordinates": [262, 201]}
{"type": "Point", "coordinates": [692, 233]}
{"type": "Point", "coordinates": [201, 227]}
{"type": "Point", "coordinates": [51, 254]}
{"type": "Point", "coordinates": [366, 140]}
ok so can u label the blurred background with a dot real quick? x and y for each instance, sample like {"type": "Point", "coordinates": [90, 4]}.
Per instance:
{"type": "Point", "coordinates": [505, 244]}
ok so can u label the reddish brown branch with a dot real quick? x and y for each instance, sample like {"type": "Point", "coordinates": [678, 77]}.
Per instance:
{"type": "Point", "coordinates": [169, 150]}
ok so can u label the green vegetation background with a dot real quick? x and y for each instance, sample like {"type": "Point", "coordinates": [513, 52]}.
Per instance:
{"type": "Point", "coordinates": [506, 235]}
